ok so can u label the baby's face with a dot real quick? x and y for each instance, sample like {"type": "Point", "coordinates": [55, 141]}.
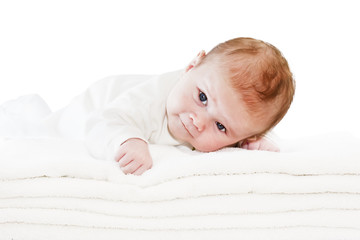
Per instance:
{"type": "Point", "coordinates": [204, 111]}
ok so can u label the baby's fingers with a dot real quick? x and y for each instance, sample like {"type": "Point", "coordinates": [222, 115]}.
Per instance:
{"type": "Point", "coordinates": [253, 145]}
{"type": "Point", "coordinates": [131, 167]}
{"type": "Point", "coordinates": [140, 170]}
{"type": "Point", "coordinates": [125, 160]}
{"type": "Point", "coordinates": [271, 148]}
{"type": "Point", "coordinates": [119, 155]}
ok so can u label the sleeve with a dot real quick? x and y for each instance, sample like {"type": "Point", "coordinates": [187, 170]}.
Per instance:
{"type": "Point", "coordinates": [272, 137]}
{"type": "Point", "coordinates": [126, 117]}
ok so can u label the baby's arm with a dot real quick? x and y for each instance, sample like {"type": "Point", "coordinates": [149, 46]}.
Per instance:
{"type": "Point", "coordinates": [120, 132]}
{"type": "Point", "coordinates": [134, 156]}
{"type": "Point", "coordinates": [260, 144]}
{"type": "Point", "coordinates": [265, 143]}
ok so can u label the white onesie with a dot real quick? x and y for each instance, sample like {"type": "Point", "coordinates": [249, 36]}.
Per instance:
{"type": "Point", "coordinates": [115, 109]}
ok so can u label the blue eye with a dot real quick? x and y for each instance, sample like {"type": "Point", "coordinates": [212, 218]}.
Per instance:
{"type": "Point", "coordinates": [203, 98]}
{"type": "Point", "coordinates": [220, 127]}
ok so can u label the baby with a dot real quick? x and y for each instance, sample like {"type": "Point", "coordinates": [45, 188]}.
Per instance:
{"type": "Point", "coordinates": [230, 97]}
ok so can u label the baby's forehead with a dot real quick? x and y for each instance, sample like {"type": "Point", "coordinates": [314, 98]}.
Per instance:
{"type": "Point", "coordinates": [230, 72]}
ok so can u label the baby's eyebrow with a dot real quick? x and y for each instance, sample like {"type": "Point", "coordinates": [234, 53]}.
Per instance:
{"type": "Point", "coordinates": [209, 90]}
{"type": "Point", "coordinates": [223, 119]}
{"type": "Point", "coordinates": [229, 131]}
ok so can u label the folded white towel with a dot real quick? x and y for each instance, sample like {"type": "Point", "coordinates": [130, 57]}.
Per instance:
{"type": "Point", "coordinates": [51, 188]}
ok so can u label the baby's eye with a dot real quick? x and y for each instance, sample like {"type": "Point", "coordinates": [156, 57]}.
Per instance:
{"type": "Point", "coordinates": [203, 98]}
{"type": "Point", "coordinates": [220, 127]}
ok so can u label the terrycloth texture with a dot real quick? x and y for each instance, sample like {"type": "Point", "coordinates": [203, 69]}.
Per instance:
{"type": "Point", "coordinates": [52, 189]}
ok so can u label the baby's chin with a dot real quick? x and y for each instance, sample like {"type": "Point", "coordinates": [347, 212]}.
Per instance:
{"type": "Point", "coordinates": [215, 146]}
{"type": "Point", "coordinates": [204, 147]}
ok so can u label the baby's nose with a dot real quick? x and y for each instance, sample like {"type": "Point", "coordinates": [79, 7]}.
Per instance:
{"type": "Point", "coordinates": [198, 121]}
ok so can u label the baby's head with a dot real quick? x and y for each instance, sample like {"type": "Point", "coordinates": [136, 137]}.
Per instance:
{"type": "Point", "coordinates": [239, 90]}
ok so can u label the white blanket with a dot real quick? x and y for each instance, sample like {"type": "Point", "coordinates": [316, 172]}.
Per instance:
{"type": "Point", "coordinates": [52, 189]}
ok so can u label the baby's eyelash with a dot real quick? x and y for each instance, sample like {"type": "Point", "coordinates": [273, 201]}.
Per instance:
{"type": "Point", "coordinates": [220, 127]}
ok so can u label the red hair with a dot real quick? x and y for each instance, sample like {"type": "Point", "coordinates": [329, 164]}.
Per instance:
{"type": "Point", "coordinates": [260, 73]}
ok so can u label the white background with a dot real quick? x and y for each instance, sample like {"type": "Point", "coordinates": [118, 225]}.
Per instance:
{"type": "Point", "coordinates": [58, 48]}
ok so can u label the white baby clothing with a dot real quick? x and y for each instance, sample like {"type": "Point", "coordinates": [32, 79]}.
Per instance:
{"type": "Point", "coordinates": [115, 109]}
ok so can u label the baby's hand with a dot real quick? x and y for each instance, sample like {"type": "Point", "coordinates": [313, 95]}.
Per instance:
{"type": "Point", "coordinates": [134, 156]}
{"type": "Point", "coordinates": [260, 144]}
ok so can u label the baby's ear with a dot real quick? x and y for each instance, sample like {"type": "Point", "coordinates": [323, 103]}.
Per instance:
{"type": "Point", "coordinates": [253, 138]}
{"type": "Point", "coordinates": [201, 54]}
{"type": "Point", "coordinates": [196, 60]}
{"type": "Point", "coordinates": [247, 141]}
